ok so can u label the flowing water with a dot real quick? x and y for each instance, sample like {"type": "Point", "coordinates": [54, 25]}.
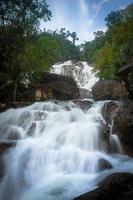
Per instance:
{"type": "Point", "coordinates": [58, 151]}
{"type": "Point", "coordinates": [81, 72]}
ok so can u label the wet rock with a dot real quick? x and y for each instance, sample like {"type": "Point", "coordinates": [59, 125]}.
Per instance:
{"type": "Point", "coordinates": [6, 144]}
{"type": "Point", "coordinates": [123, 126]}
{"type": "Point", "coordinates": [54, 86]}
{"type": "Point", "coordinates": [109, 90]}
{"type": "Point", "coordinates": [4, 107]}
{"type": "Point", "coordinates": [109, 110]}
{"type": "Point", "coordinates": [84, 93]}
{"type": "Point", "coordinates": [117, 186]}
{"type": "Point", "coordinates": [104, 131]}
{"type": "Point", "coordinates": [14, 135]}
{"type": "Point", "coordinates": [1, 167]}
{"type": "Point", "coordinates": [103, 164]}
{"type": "Point", "coordinates": [31, 129]}
{"type": "Point", "coordinates": [83, 104]}
{"type": "Point", "coordinates": [39, 115]}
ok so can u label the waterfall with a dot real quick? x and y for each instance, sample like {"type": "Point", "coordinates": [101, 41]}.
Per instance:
{"type": "Point", "coordinates": [81, 72]}
{"type": "Point", "coordinates": [115, 142]}
{"type": "Point", "coordinates": [58, 150]}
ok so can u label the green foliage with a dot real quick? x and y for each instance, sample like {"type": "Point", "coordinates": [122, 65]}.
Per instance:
{"type": "Point", "coordinates": [46, 49]}
{"type": "Point", "coordinates": [18, 21]}
{"type": "Point", "coordinates": [25, 51]}
{"type": "Point", "coordinates": [113, 18]}
{"type": "Point", "coordinates": [106, 61]}
{"type": "Point", "coordinates": [109, 51]}
{"type": "Point", "coordinates": [90, 49]}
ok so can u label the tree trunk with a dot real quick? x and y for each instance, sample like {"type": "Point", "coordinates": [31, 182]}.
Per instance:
{"type": "Point", "coordinates": [14, 91]}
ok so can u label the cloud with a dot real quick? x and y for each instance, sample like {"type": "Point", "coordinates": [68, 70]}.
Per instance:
{"type": "Point", "coordinates": [74, 16]}
{"type": "Point", "coordinates": [83, 6]}
{"type": "Point", "coordinates": [97, 6]}
{"type": "Point", "coordinates": [122, 7]}
{"type": "Point", "coordinates": [85, 30]}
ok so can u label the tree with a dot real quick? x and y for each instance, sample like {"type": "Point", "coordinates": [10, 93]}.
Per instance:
{"type": "Point", "coordinates": [98, 34]}
{"type": "Point", "coordinates": [109, 51]}
{"type": "Point", "coordinates": [18, 21]}
{"type": "Point", "coordinates": [74, 37]}
{"type": "Point", "coordinates": [113, 18]}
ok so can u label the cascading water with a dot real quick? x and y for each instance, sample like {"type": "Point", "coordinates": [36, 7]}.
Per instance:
{"type": "Point", "coordinates": [57, 154]}
{"type": "Point", "coordinates": [80, 71]}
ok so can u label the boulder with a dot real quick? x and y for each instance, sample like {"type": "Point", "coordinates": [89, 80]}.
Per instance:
{"type": "Point", "coordinates": [6, 144]}
{"type": "Point", "coordinates": [109, 110]}
{"type": "Point", "coordinates": [103, 164]}
{"type": "Point", "coordinates": [117, 186]}
{"type": "Point", "coordinates": [83, 104]}
{"type": "Point", "coordinates": [54, 86]}
{"type": "Point", "coordinates": [84, 93]}
{"type": "Point", "coordinates": [126, 73]}
{"type": "Point", "coordinates": [123, 126]}
{"type": "Point", "coordinates": [109, 90]}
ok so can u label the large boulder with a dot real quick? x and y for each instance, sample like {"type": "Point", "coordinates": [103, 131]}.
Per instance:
{"type": "Point", "coordinates": [109, 90]}
{"type": "Point", "coordinates": [117, 186]}
{"type": "Point", "coordinates": [126, 73]}
{"type": "Point", "coordinates": [54, 86]}
{"type": "Point", "coordinates": [123, 126]}
{"type": "Point", "coordinates": [119, 116]}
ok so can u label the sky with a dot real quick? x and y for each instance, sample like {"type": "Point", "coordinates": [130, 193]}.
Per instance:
{"type": "Point", "coordinates": [82, 16]}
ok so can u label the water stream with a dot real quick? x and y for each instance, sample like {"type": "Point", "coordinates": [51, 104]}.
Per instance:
{"type": "Point", "coordinates": [58, 150]}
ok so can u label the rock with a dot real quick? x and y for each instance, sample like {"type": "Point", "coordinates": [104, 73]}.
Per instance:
{"type": "Point", "coordinates": [109, 90]}
{"type": "Point", "coordinates": [123, 126]}
{"type": "Point", "coordinates": [83, 104]}
{"type": "Point", "coordinates": [2, 107]}
{"type": "Point", "coordinates": [6, 144]}
{"type": "Point", "coordinates": [103, 164]}
{"type": "Point", "coordinates": [1, 167]}
{"type": "Point", "coordinates": [104, 131]}
{"type": "Point", "coordinates": [54, 86]}
{"type": "Point", "coordinates": [43, 92]}
{"type": "Point", "coordinates": [126, 73]}
{"type": "Point", "coordinates": [117, 186]}
{"type": "Point", "coordinates": [17, 104]}
{"type": "Point", "coordinates": [109, 110]}
{"type": "Point", "coordinates": [31, 129]}
{"type": "Point", "coordinates": [84, 93]}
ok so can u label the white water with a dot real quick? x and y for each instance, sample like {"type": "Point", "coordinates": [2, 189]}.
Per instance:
{"type": "Point", "coordinates": [82, 73]}
{"type": "Point", "coordinates": [57, 156]}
